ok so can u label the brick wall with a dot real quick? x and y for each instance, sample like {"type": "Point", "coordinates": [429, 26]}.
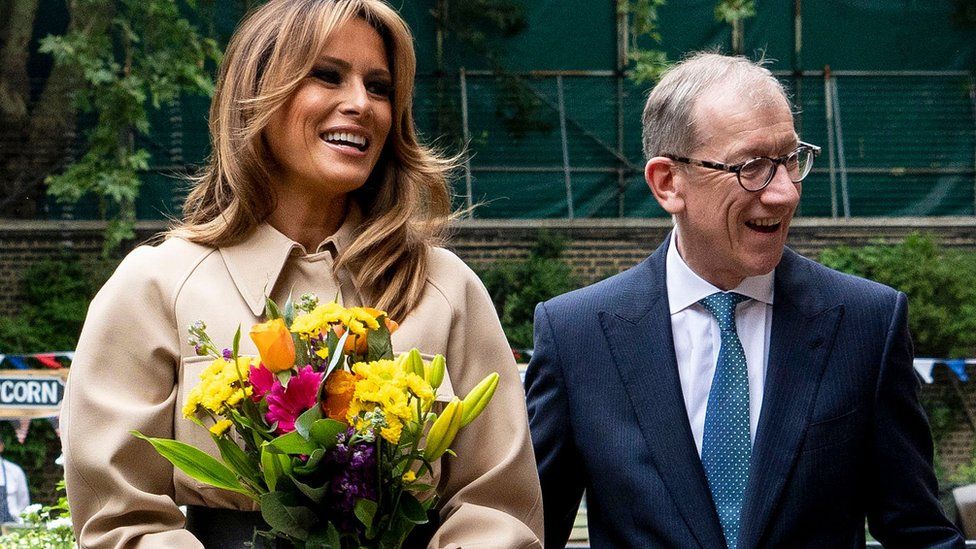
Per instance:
{"type": "Point", "coordinates": [596, 248]}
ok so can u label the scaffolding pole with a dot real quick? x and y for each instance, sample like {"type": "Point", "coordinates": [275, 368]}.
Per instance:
{"type": "Point", "coordinates": [466, 132]}
{"type": "Point", "coordinates": [622, 38]}
{"type": "Point", "coordinates": [565, 142]}
{"type": "Point", "coordinates": [829, 114]}
{"type": "Point", "coordinates": [841, 157]}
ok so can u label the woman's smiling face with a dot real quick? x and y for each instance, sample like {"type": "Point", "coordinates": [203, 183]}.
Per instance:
{"type": "Point", "coordinates": [328, 136]}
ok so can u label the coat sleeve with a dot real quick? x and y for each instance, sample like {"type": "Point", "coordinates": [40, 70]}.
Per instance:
{"type": "Point", "coordinates": [490, 491]}
{"type": "Point", "coordinates": [560, 466]}
{"type": "Point", "coordinates": [904, 509]}
{"type": "Point", "coordinates": [123, 378]}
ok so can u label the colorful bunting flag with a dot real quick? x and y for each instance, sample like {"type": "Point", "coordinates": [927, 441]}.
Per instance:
{"type": "Point", "coordinates": [958, 365]}
{"type": "Point", "coordinates": [924, 367]}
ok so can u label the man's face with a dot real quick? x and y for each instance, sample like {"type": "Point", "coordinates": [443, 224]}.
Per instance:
{"type": "Point", "coordinates": [726, 233]}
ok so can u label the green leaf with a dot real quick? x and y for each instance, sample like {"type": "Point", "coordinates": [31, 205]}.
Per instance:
{"type": "Point", "coordinates": [238, 461]}
{"type": "Point", "coordinates": [293, 443]}
{"type": "Point", "coordinates": [365, 511]}
{"type": "Point", "coordinates": [313, 493]}
{"type": "Point", "coordinates": [289, 312]}
{"type": "Point", "coordinates": [271, 310]}
{"type": "Point", "coordinates": [282, 512]}
{"type": "Point", "coordinates": [412, 510]}
{"type": "Point", "coordinates": [378, 345]}
{"type": "Point", "coordinates": [327, 538]}
{"type": "Point", "coordinates": [325, 431]}
{"type": "Point", "coordinates": [336, 354]}
{"type": "Point", "coordinates": [284, 377]}
{"type": "Point", "coordinates": [196, 463]}
{"type": "Point", "coordinates": [237, 342]}
{"type": "Point", "coordinates": [311, 465]}
{"type": "Point", "coordinates": [303, 425]}
{"type": "Point", "coordinates": [273, 466]}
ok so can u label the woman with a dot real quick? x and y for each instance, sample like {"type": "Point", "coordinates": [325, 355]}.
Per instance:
{"type": "Point", "coordinates": [316, 184]}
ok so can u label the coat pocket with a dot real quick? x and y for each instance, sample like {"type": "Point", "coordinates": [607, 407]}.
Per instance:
{"type": "Point", "coordinates": [832, 431]}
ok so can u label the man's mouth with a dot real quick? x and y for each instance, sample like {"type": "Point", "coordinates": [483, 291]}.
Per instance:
{"type": "Point", "coordinates": [765, 225]}
{"type": "Point", "coordinates": [347, 139]}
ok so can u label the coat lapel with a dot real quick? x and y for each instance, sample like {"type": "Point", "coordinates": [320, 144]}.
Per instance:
{"type": "Point", "coordinates": [804, 326]}
{"type": "Point", "coordinates": [638, 330]}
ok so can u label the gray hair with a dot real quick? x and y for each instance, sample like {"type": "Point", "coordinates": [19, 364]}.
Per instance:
{"type": "Point", "coordinates": [669, 125]}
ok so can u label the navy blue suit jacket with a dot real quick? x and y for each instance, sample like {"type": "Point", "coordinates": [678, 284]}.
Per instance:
{"type": "Point", "coordinates": [841, 434]}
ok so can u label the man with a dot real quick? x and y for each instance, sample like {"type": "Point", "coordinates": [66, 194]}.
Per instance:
{"type": "Point", "coordinates": [14, 496]}
{"type": "Point", "coordinates": [728, 392]}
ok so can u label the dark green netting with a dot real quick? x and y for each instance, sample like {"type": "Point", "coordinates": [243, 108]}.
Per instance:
{"type": "Point", "coordinates": [908, 140]}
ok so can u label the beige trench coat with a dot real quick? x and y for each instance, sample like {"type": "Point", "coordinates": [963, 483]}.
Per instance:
{"type": "Point", "coordinates": [133, 368]}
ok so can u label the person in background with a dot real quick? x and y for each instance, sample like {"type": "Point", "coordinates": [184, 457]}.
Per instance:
{"type": "Point", "coordinates": [14, 495]}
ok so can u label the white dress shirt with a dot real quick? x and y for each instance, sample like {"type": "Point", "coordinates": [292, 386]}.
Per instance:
{"type": "Point", "coordinates": [18, 497]}
{"type": "Point", "coordinates": [697, 337]}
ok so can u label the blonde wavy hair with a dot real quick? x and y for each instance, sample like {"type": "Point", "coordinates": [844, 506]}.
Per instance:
{"type": "Point", "coordinates": [405, 202]}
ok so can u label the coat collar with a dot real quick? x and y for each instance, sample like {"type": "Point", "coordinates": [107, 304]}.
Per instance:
{"type": "Point", "coordinates": [256, 262]}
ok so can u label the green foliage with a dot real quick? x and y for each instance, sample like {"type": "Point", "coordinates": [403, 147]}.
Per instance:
{"type": "Point", "coordinates": [648, 64]}
{"type": "Point", "coordinates": [129, 57]}
{"type": "Point", "coordinates": [56, 295]}
{"type": "Point", "coordinates": [478, 25]}
{"type": "Point", "coordinates": [517, 286]}
{"type": "Point", "coordinates": [939, 285]}
{"type": "Point", "coordinates": [43, 527]}
{"type": "Point", "coordinates": [734, 11]}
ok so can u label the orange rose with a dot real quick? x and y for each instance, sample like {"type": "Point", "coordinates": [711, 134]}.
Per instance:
{"type": "Point", "coordinates": [391, 325]}
{"type": "Point", "coordinates": [354, 343]}
{"type": "Point", "coordinates": [339, 388]}
{"type": "Point", "coordinates": [275, 345]}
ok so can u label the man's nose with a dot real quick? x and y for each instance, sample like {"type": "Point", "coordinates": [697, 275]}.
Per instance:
{"type": "Point", "coordinates": [781, 189]}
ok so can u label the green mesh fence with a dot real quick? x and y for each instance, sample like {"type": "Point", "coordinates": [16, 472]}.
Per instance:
{"type": "Point", "coordinates": [904, 101]}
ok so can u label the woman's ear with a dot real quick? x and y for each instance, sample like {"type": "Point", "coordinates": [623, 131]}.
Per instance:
{"type": "Point", "coordinates": [661, 179]}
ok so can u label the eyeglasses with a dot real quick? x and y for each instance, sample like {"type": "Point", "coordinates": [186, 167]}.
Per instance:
{"type": "Point", "coordinates": [756, 173]}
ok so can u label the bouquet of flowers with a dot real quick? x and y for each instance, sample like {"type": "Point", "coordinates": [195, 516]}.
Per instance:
{"type": "Point", "coordinates": [327, 430]}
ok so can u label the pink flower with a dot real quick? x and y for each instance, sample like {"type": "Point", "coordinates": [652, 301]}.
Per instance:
{"type": "Point", "coordinates": [285, 405]}
{"type": "Point", "coordinates": [261, 380]}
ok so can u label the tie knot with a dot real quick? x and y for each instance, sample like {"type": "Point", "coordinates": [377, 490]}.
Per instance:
{"type": "Point", "coordinates": [722, 305]}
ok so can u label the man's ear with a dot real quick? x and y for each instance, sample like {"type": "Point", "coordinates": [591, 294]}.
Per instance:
{"type": "Point", "coordinates": [661, 179]}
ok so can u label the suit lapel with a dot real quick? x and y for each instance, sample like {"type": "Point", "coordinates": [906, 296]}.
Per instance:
{"type": "Point", "coordinates": [804, 326]}
{"type": "Point", "coordinates": [638, 330]}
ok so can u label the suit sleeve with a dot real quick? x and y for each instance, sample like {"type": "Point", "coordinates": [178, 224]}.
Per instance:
{"type": "Point", "coordinates": [123, 378]}
{"type": "Point", "coordinates": [561, 469]}
{"type": "Point", "coordinates": [491, 489]}
{"type": "Point", "coordinates": [904, 510]}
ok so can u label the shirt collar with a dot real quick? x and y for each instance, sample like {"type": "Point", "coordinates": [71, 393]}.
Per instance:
{"type": "Point", "coordinates": [256, 262]}
{"type": "Point", "coordinates": [685, 287]}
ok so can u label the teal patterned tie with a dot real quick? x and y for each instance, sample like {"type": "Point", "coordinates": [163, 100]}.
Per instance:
{"type": "Point", "coordinates": [726, 447]}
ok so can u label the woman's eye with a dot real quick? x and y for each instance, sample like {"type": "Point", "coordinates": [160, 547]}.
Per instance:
{"type": "Point", "coordinates": [327, 75]}
{"type": "Point", "coordinates": [380, 88]}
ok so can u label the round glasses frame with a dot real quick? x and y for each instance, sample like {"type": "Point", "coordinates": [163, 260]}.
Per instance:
{"type": "Point", "coordinates": [773, 163]}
